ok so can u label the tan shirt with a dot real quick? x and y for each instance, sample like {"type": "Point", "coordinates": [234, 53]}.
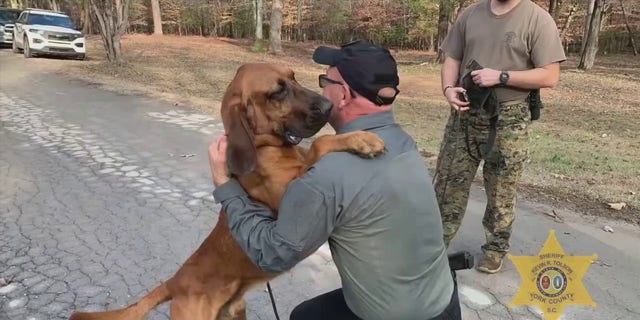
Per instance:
{"type": "Point", "coordinates": [524, 38]}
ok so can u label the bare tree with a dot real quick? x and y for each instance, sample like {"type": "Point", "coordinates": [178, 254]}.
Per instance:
{"type": "Point", "coordinates": [299, 21]}
{"type": "Point", "coordinates": [626, 21]}
{"type": "Point", "coordinates": [588, 55]}
{"type": "Point", "coordinates": [157, 18]}
{"type": "Point", "coordinates": [587, 23]}
{"type": "Point", "coordinates": [113, 16]}
{"type": "Point", "coordinates": [53, 4]}
{"type": "Point", "coordinates": [553, 8]}
{"type": "Point", "coordinates": [275, 27]}
{"type": "Point", "coordinates": [87, 22]}
{"type": "Point", "coordinates": [259, 6]}
{"type": "Point", "coordinates": [445, 10]}
{"type": "Point", "coordinates": [572, 12]}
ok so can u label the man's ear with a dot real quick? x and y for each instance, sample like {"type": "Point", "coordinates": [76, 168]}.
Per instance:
{"type": "Point", "coordinates": [346, 96]}
{"type": "Point", "coordinates": [241, 150]}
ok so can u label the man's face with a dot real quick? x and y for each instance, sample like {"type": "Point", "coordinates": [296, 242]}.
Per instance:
{"type": "Point", "coordinates": [333, 87]}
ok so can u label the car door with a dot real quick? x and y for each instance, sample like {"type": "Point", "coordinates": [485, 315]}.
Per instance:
{"type": "Point", "coordinates": [18, 29]}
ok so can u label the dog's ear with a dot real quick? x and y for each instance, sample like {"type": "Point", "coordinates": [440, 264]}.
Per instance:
{"type": "Point", "coordinates": [241, 150]}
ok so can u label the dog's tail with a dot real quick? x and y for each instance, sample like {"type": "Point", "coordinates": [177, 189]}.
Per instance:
{"type": "Point", "coordinates": [136, 311]}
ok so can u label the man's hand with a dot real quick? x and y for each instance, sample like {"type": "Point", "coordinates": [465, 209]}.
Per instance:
{"type": "Point", "coordinates": [453, 97]}
{"type": "Point", "coordinates": [486, 77]}
{"type": "Point", "coordinates": [218, 160]}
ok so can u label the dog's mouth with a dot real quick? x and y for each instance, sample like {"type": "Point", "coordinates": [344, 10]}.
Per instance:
{"type": "Point", "coordinates": [291, 138]}
{"type": "Point", "coordinates": [294, 131]}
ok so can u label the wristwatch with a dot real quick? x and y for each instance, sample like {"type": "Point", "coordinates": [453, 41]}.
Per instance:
{"type": "Point", "coordinates": [504, 77]}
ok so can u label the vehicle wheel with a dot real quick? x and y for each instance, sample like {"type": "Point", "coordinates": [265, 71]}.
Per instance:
{"type": "Point", "coordinates": [14, 46]}
{"type": "Point", "coordinates": [81, 56]}
{"type": "Point", "coordinates": [27, 50]}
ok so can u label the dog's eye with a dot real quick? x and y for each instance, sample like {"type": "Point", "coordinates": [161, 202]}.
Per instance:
{"type": "Point", "coordinates": [280, 92]}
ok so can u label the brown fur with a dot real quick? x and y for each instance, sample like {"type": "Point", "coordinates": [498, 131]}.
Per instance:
{"type": "Point", "coordinates": [211, 284]}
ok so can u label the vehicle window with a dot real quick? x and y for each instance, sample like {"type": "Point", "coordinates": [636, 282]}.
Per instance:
{"type": "Point", "coordinates": [9, 16]}
{"type": "Point", "coordinates": [50, 20]}
{"type": "Point", "coordinates": [21, 18]}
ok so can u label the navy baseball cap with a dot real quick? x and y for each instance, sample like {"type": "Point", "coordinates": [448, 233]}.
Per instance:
{"type": "Point", "coordinates": [365, 67]}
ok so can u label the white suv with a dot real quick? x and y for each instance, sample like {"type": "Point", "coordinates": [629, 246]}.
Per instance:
{"type": "Point", "coordinates": [47, 32]}
{"type": "Point", "coordinates": [8, 17]}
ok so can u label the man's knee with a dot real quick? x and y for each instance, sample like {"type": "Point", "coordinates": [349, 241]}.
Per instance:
{"type": "Point", "coordinates": [305, 310]}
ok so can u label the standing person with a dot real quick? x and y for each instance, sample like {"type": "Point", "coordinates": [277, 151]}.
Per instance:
{"type": "Point", "coordinates": [517, 48]}
{"type": "Point", "coordinates": [385, 235]}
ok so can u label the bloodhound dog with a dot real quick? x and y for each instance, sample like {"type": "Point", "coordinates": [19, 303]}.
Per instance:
{"type": "Point", "coordinates": [265, 113]}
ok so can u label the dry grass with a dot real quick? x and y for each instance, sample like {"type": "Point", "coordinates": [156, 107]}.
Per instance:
{"type": "Point", "coordinates": [586, 148]}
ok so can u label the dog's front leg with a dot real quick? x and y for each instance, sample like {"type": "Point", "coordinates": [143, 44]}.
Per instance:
{"type": "Point", "coordinates": [364, 144]}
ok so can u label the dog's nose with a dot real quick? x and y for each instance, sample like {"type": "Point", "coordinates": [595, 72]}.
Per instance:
{"type": "Point", "coordinates": [323, 105]}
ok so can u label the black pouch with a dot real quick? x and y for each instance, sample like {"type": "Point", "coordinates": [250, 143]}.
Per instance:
{"type": "Point", "coordinates": [480, 98]}
{"type": "Point", "coordinates": [535, 104]}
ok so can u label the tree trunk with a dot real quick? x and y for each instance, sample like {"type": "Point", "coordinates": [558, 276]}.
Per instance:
{"type": "Point", "coordinates": [567, 23]}
{"type": "Point", "coordinates": [587, 23]}
{"type": "Point", "coordinates": [299, 29]}
{"type": "Point", "coordinates": [553, 8]}
{"type": "Point", "coordinates": [15, 4]}
{"type": "Point", "coordinates": [572, 12]}
{"type": "Point", "coordinates": [53, 4]}
{"type": "Point", "coordinates": [87, 27]}
{"type": "Point", "coordinates": [626, 21]}
{"type": "Point", "coordinates": [275, 27]}
{"type": "Point", "coordinates": [157, 18]}
{"type": "Point", "coordinates": [432, 45]}
{"type": "Point", "coordinates": [113, 16]}
{"type": "Point", "coordinates": [444, 16]}
{"type": "Point", "coordinates": [588, 55]}
{"type": "Point", "coordinates": [259, 7]}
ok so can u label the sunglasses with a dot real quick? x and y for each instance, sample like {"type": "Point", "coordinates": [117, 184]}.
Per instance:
{"type": "Point", "coordinates": [324, 80]}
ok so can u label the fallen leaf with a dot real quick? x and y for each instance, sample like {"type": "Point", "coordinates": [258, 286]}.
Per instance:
{"type": "Point", "coordinates": [187, 155]}
{"type": "Point", "coordinates": [632, 193]}
{"type": "Point", "coordinates": [427, 154]}
{"type": "Point", "coordinates": [604, 135]}
{"type": "Point", "coordinates": [607, 229]}
{"type": "Point", "coordinates": [554, 215]}
{"type": "Point", "coordinates": [617, 205]}
{"type": "Point", "coordinates": [601, 263]}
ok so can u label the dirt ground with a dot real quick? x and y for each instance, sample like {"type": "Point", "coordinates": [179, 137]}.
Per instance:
{"type": "Point", "coordinates": [585, 148]}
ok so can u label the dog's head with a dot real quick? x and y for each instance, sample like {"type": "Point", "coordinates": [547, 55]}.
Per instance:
{"type": "Point", "coordinates": [266, 99]}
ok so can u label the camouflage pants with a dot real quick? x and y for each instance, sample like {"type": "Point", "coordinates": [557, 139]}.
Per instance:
{"type": "Point", "coordinates": [501, 171]}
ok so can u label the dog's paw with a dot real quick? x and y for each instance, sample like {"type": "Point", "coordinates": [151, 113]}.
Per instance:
{"type": "Point", "coordinates": [366, 144]}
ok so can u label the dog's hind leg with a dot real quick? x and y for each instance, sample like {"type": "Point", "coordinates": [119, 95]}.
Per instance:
{"type": "Point", "coordinates": [136, 311]}
{"type": "Point", "coordinates": [234, 309]}
{"type": "Point", "coordinates": [202, 306]}
{"type": "Point", "coordinates": [238, 309]}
